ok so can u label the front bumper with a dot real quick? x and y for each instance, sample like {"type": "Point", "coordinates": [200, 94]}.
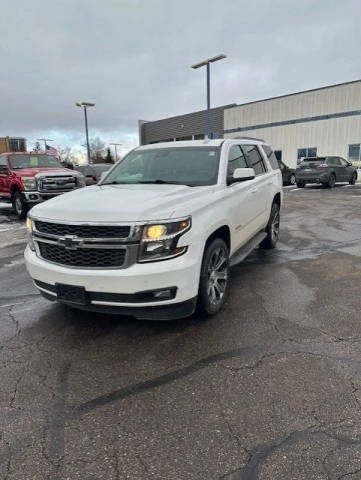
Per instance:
{"type": "Point", "coordinates": [111, 286]}
{"type": "Point", "coordinates": [34, 197]}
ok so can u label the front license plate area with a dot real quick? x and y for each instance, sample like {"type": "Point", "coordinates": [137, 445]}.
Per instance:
{"type": "Point", "coordinates": [71, 294]}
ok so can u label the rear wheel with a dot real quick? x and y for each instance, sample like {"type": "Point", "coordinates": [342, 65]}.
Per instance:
{"type": "Point", "coordinates": [292, 179]}
{"type": "Point", "coordinates": [353, 179]}
{"type": "Point", "coordinates": [272, 229]}
{"type": "Point", "coordinates": [331, 181]}
{"type": "Point", "coordinates": [214, 278]}
{"type": "Point", "coordinates": [20, 205]}
{"type": "Point", "coordinates": [300, 185]}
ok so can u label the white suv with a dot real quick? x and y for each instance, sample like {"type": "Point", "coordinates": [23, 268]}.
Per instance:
{"type": "Point", "coordinates": [157, 236]}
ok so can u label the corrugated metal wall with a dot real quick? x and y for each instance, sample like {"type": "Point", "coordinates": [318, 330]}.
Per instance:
{"type": "Point", "coordinates": [181, 126]}
{"type": "Point", "coordinates": [331, 136]}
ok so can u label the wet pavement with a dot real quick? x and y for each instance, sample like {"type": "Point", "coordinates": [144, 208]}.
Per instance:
{"type": "Point", "coordinates": [268, 389]}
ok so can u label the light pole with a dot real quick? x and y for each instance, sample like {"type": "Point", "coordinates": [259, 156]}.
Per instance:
{"type": "Point", "coordinates": [85, 105]}
{"type": "Point", "coordinates": [45, 140]}
{"type": "Point", "coordinates": [207, 63]}
{"type": "Point", "coordinates": [115, 149]}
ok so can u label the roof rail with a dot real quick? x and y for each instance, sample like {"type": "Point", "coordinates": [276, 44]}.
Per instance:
{"type": "Point", "coordinates": [248, 138]}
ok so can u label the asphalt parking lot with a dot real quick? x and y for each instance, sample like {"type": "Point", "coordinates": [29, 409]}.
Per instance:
{"type": "Point", "coordinates": [268, 389]}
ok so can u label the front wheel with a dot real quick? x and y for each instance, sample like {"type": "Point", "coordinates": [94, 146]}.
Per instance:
{"type": "Point", "coordinates": [353, 179]}
{"type": "Point", "coordinates": [331, 181]}
{"type": "Point", "coordinates": [20, 205]}
{"type": "Point", "coordinates": [300, 185]}
{"type": "Point", "coordinates": [213, 282]}
{"type": "Point", "coordinates": [272, 229]}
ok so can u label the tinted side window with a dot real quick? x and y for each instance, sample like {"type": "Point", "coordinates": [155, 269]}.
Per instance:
{"type": "Point", "coordinates": [254, 159]}
{"type": "Point", "coordinates": [3, 162]}
{"type": "Point", "coordinates": [333, 162]}
{"type": "Point", "coordinates": [271, 157]}
{"type": "Point", "coordinates": [343, 162]}
{"type": "Point", "coordinates": [236, 159]}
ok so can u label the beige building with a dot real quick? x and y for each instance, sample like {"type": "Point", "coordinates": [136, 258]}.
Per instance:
{"type": "Point", "coordinates": [323, 121]}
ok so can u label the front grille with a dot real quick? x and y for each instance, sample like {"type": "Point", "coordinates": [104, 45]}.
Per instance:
{"type": "Point", "coordinates": [83, 231]}
{"type": "Point", "coordinates": [82, 257]}
{"type": "Point", "coordinates": [59, 183]}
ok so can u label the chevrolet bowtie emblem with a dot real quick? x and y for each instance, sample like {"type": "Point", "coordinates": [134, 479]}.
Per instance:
{"type": "Point", "coordinates": [70, 242]}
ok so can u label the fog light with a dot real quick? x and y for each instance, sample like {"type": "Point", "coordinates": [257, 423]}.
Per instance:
{"type": "Point", "coordinates": [165, 294]}
{"type": "Point", "coordinates": [33, 197]}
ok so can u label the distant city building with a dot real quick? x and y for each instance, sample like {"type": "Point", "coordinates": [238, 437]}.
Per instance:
{"type": "Point", "coordinates": [322, 121]}
{"type": "Point", "coordinates": [12, 144]}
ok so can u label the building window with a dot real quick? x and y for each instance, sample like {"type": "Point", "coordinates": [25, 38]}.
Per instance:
{"type": "Point", "coordinates": [306, 152]}
{"type": "Point", "coordinates": [17, 145]}
{"type": "Point", "coordinates": [354, 153]}
{"type": "Point", "coordinates": [199, 136]}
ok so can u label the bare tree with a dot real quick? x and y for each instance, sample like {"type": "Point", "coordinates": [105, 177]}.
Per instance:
{"type": "Point", "coordinates": [66, 156]}
{"type": "Point", "coordinates": [97, 149]}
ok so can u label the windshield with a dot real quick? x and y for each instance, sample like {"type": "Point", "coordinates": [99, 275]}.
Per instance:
{"type": "Point", "coordinates": [33, 161]}
{"type": "Point", "coordinates": [192, 166]}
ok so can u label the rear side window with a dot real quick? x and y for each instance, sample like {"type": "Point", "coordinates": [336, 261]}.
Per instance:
{"type": "Point", "coordinates": [333, 162]}
{"type": "Point", "coordinates": [271, 157]}
{"type": "Point", "coordinates": [254, 159]}
{"type": "Point", "coordinates": [236, 159]}
{"type": "Point", "coordinates": [3, 162]}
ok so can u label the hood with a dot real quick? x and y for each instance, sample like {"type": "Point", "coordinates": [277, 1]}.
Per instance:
{"type": "Point", "coordinates": [124, 203]}
{"type": "Point", "coordinates": [31, 172]}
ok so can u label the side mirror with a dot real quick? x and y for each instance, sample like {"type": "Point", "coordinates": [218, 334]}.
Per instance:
{"type": "Point", "coordinates": [4, 170]}
{"type": "Point", "coordinates": [241, 175]}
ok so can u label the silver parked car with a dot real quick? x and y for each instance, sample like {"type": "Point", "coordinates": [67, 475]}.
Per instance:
{"type": "Point", "coordinates": [93, 172]}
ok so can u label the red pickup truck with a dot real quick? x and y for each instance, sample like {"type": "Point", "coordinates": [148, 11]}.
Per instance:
{"type": "Point", "coordinates": [27, 179]}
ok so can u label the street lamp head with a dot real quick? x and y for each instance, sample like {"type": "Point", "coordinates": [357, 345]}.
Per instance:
{"type": "Point", "coordinates": [209, 60]}
{"type": "Point", "coordinates": [84, 104]}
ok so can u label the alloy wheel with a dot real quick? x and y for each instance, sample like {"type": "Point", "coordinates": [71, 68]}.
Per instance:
{"type": "Point", "coordinates": [217, 275]}
{"type": "Point", "coordinates": [275, 226]}
{"type": "Point", "coordinates": [18, 206]}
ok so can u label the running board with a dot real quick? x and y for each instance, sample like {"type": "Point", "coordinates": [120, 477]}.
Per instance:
{"type": "Point", "coordinates": [244, 251]}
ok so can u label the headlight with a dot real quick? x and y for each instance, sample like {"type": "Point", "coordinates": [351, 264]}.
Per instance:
{"type": "Point", "coordinates": [29, 183]}
{"type": "Point", "coordinates": [81, 181]}
{"type": "Point", "coordinates": [159, 241]}
{"type": "Point", "coordinates": [29, 229]}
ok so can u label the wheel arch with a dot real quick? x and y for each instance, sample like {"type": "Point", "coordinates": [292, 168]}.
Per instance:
{"type": "Point", "coordinates": [222, 232]}
{"type": "Point", "coordinates": [14, 188]}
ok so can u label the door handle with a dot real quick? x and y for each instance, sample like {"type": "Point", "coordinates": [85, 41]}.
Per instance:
{"type": "Point", "coordinates": [254, 190]}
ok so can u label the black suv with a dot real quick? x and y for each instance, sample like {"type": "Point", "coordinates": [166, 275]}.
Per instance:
{"type": "Point", "coordinates": [288, 173]}
{"type": "Point", "coordinates": [326, 171]}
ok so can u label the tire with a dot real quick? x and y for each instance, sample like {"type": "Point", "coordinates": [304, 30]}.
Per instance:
{"type": "Point", "coordinates": [331, 181]}
{"type": "Point", "coordinates": [20, 205]}
{"type": "Point", "coordinates": [293, 179]}
{"type": "Point", "coordinates": [212, 287]}
{"type": "Point", "coordinates": [272, 229]}
{"type": "Point", "coordinates": [353, 179]}
{"type": "Point", "coordinates": [300, 185]}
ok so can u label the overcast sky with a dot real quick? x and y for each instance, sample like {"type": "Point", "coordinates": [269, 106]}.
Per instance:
{"type": "Point", "coordinates": [132, 58]}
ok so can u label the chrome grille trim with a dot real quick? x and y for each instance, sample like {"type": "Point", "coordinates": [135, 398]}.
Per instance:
{"type": "Point", "coordinates": [129, 244]}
